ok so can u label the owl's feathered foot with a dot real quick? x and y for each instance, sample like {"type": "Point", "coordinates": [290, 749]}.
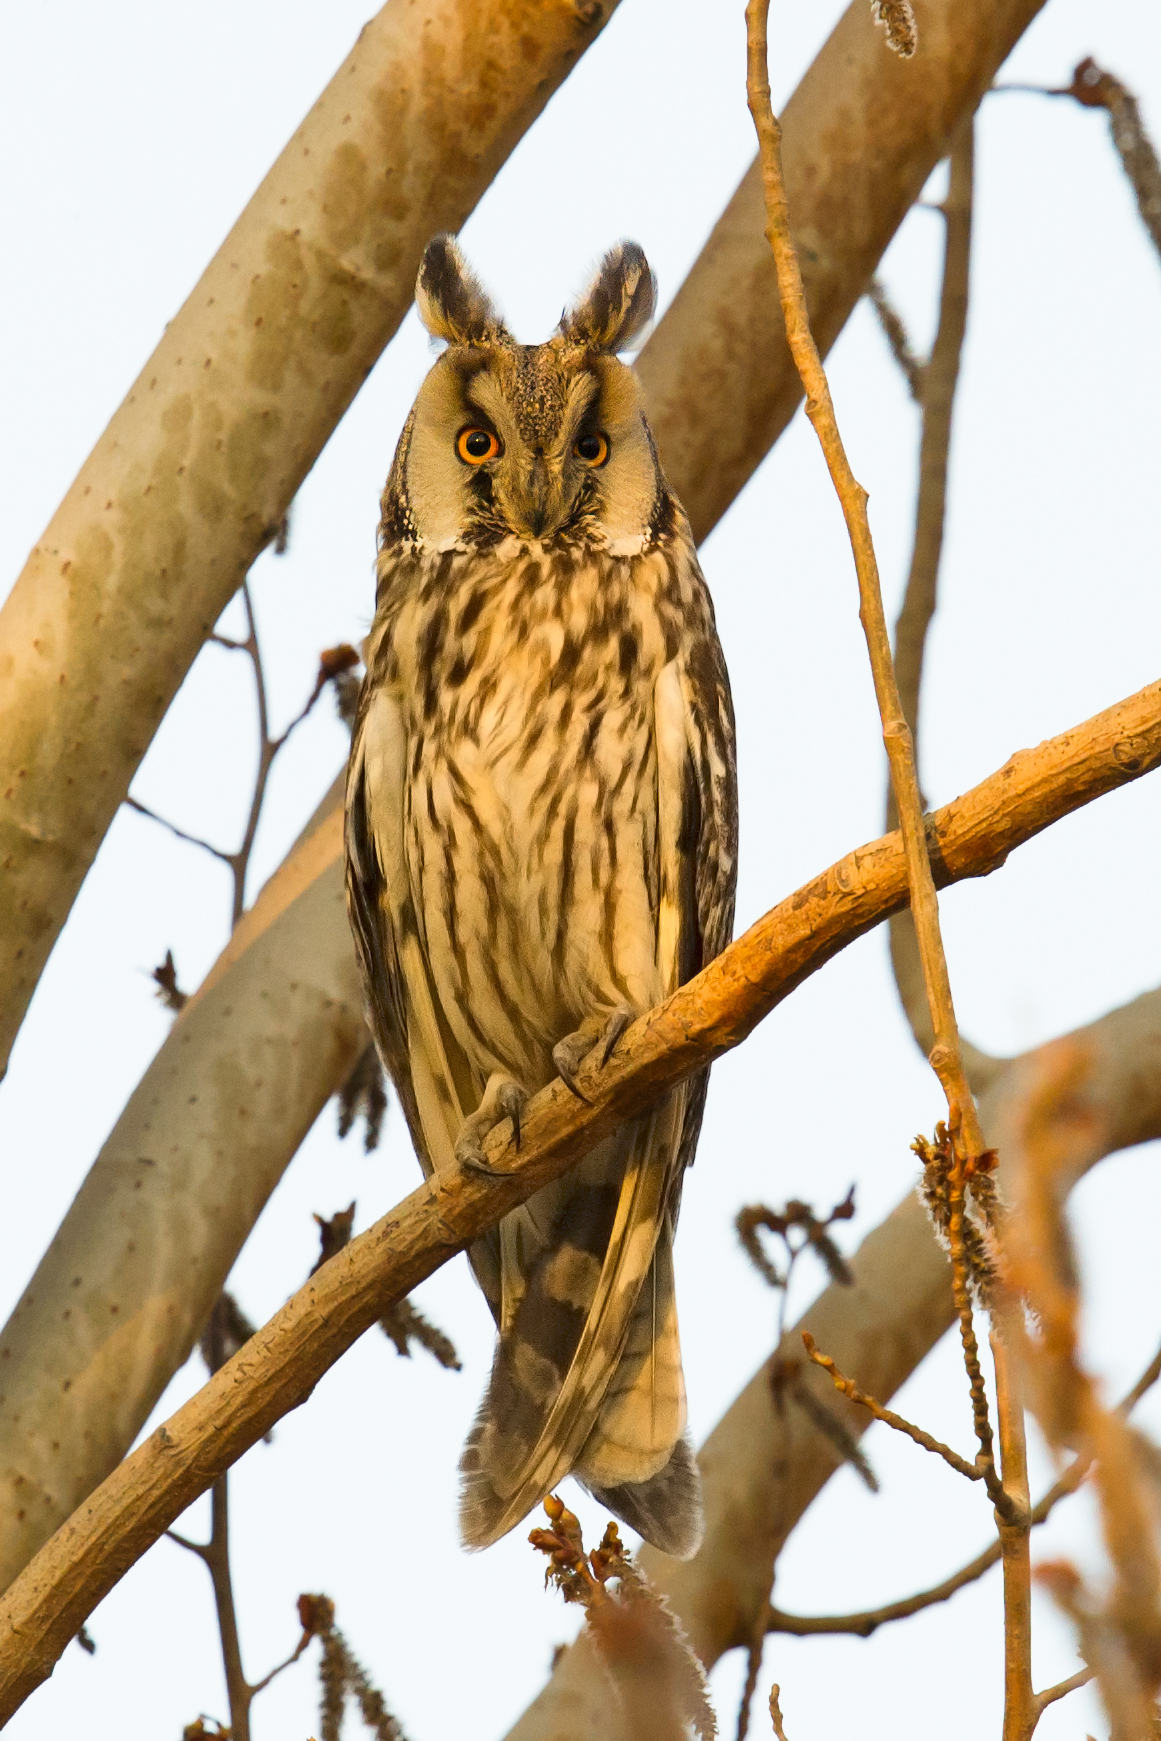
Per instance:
{"type": "Point", "coordinates": [570, 1053]}
{"type": "Point", "coordinates": [503, 1099]}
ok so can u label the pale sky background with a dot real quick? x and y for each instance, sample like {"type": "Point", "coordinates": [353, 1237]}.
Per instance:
{"type": "Point", "coordinates": [132, 135]}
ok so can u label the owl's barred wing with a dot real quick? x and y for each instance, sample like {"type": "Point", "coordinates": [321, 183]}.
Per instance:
{"type": "Point", "coordinates": [710, 729]}
{"type": "Point", "coordinates": [709, 838]}
{"type": "Point", "coordinates": [376, 942]}
{"type": "Point", "coordinates": [431, 1076]}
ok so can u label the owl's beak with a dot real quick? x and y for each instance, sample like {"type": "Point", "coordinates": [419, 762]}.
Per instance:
{"type": "Point", "coordinates": [542, 504]}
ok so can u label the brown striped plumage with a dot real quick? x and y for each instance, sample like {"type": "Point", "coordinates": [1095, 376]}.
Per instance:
{"type": "Point", "coordinates": [541, 834]}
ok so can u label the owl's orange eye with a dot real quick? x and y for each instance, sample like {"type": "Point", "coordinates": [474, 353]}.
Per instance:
{"type": "Point", "coordinates": [593, 449]}
{"type": "Point", "coordinates": [474, 445]}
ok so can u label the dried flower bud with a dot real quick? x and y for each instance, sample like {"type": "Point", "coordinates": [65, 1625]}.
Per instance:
{"type": "Point", "coordinates": [168, 990]}
{"type": "Point", "coordinates": [898, 21]}
{"type": "Point", "coordinates": [335, 660]}
{"type": "Point", "coordinates": [316, 1614]}
{"type": "Point", "coordinates": [334, 1234]}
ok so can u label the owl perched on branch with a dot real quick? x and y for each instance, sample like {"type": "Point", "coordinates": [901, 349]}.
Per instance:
{"type": "Point", "coordinates": [541, 846]}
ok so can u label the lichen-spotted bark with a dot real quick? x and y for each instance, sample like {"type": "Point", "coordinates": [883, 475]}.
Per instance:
{"type": "Point", "coordinates": [202, 459]}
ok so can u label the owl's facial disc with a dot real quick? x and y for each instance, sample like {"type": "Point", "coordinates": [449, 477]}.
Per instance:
{"type": "Point", "coordinates": [535, 442]}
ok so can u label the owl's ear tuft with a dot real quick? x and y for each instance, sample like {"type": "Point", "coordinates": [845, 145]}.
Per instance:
{"type": "Point", "coordinates": [452, 303]}
{"type": "Point", "coordinates": [618, 305]}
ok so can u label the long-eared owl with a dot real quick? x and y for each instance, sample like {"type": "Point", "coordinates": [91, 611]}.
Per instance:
{"type": "Point", "coordinates": [541, 845]}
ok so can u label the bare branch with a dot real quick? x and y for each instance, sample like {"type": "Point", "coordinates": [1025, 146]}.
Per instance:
{"type": "Point", "coordinates": [945, 1056]}
{"type": "Point", "coordinates": [888, 1416]}
{"type": "Point", "coordinates": [1062, 1689]}
{"type": "Point", "coordinates": [762, 1467]}
{"type": "Point", "coordinates": [940, 379]}
{"type": "Point", "coordinates": [896, 334]}
{"type": "Point", "coordinates": [723, 343]}
{"type": "Point", "coordinates": [1120, 1638]}
{"type": "Point", "coordinates": [938, 394]}
{"type": "Point", "coordinates": [776, 1714]}
{"type": "Point", "coordinates": [830, 1425]}
{"type": "Point", "coordinates": [190, 839]}
{"type": "Point", "coordinates": [869, 1620]}
{"type": "Point", "coordinates": [1097, 89]}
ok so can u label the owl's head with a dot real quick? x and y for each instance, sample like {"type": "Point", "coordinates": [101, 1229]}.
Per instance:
{"type": "Point", "coordinates": [541, 442]}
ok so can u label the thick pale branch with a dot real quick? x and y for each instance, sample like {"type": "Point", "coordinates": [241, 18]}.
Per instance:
{"type": "Point", "coordinates": [125, 1289]}
{"type": "Point", "coordinates": [197, 468]}
{"type": "Point", "coordinates": [277, 1368]}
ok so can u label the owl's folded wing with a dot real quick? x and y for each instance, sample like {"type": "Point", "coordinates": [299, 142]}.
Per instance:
{"type": "Point", "coordinates": [700, 840]}
{"type": "Point", "coordinates": [431, 1076]}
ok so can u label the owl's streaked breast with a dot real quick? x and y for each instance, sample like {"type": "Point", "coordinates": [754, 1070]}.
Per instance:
{"type": "Point", "coordinates": [526, 684]}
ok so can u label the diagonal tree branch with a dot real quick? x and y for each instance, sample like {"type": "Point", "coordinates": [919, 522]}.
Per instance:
{"type": "Point", "coordinates": [277, 1369]}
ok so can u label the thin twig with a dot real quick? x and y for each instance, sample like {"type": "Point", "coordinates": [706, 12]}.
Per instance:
{"type": "Point", "coordinates": [1062, 1689]}
{"type": "Point", "coordinates": [940, 378]}
{"type": "Point", "coordinates": [888, 1416]}
{"type": "Point", "coordinates": [183, 1541]}
{"type": "Point", "coordinates": [261, 1686]}
{"type": "Point", "coordinates": [937, 394]}
{"type": "Point", "coordinates": [869, 1620]}
{"type": "Point", "coordinates": [1014, 1524]}
{"type": "Point", "coordinates": [332, 664]}
{"type": "Point", "coordinates": [897, 337]}
{"type": "Point", "coordinates": [191, 839]}
{"type": "Point", "coordinates": [1097, 89]}
{"type": "Point", "coordinates": [945, 1055]}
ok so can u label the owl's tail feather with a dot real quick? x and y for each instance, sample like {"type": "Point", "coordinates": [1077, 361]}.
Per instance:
{"type": "Point", "coordinates": [666, 1509]}
{"type": "Point", "coordinates": [588, 1367]}
{"type": "Point", "coordinates": [632, 1462]}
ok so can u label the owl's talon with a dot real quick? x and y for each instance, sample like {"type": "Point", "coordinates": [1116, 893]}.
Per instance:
{"type": "Point", "coordinates": [512, 1100]}
{"type": "Point", "coordinates": [570, 1053]}
{"type": "Point", "coordinates": [622, 1017]}
{"type": "Point", "coordinates": [502, 1099]}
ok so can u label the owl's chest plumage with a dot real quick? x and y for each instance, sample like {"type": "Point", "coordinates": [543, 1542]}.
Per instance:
{"type": "Point", "coordinates": [529, 823]}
